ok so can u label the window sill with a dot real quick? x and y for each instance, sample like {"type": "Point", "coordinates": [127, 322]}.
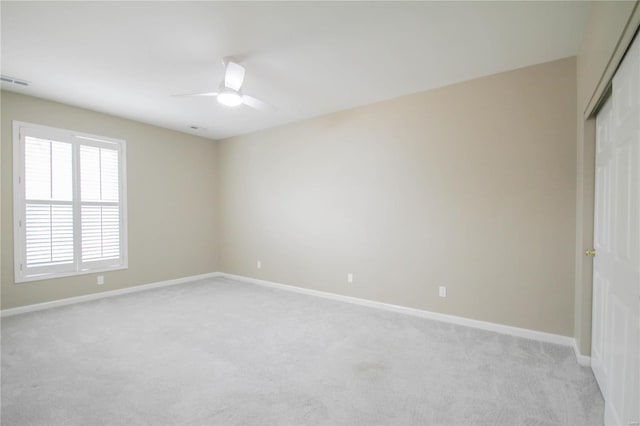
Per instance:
{"type": "Point", "coordinates": [41, 277]}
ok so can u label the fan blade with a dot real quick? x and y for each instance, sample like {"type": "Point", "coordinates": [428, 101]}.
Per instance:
{"type": "Point", "coordinates": [257, 103]}
{"type": "Point", "coordinates": [234, 76]}
{"type": "Point", "coordinates": [198, 94]}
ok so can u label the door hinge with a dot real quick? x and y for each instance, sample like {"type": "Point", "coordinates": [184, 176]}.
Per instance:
{"type": "Point", "coordinates": [21, 267]}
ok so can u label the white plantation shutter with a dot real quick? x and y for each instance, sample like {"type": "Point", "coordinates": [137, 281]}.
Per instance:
{"type": "Point", "coordinates": [100, 212]}
{"type": "Point", "coordinates": [48, 219]}
{"type": "Point", "coordinates": [70, 211]}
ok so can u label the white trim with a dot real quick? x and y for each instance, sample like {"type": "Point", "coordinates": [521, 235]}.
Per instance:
{"type": "Point", "coordinates": [452, 319]}
{"type": "Point", "coordinates": [468, 322]}
{"type": "Point", "coordinates": [49, 276]}
{"type": "Point", "coordinates": [22, 274]}
{"type": "Point", "coordinates": [583, 360]}
{"type": "Point", "coordinates": [103, 294]}
{"type": "Point", "coordinates": [18, 201]}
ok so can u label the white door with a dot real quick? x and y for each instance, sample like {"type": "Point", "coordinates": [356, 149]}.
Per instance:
{"type": "Point", "coordinates": [602, 244]}
{"type": "Point", "coordinates": [615, 351]}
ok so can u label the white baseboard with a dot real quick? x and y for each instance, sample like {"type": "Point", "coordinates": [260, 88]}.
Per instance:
{"type": "Point", "coordinates": [583, 360]}
{"type": "Point", "coordinates": [452, 319]}
{"type": "Point", "coordinates": [483, 325]}
{"type": "Point", "coordinates": [103, 294]}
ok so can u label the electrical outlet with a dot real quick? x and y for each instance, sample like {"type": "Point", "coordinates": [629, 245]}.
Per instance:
{"type": "Point", "coordinates": [349, 277]}
{"type": "Point", "coordinates": [259, 265]}
{"type": "Point", "coordinates": [100, 279]}
{"type": "Point", "coordinates": [442, 291]}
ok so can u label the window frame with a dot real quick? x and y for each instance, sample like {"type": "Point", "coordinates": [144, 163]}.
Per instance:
{"type": "Point", "coordinates": [23, 274]}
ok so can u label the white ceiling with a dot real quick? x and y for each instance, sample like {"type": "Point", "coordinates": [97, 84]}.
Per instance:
{"type": "Point", "coordinates": [308, 59]}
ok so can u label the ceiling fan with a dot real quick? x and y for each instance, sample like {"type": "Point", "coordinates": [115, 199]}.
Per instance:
{"type": "Point", "coordinates": [230, 91]}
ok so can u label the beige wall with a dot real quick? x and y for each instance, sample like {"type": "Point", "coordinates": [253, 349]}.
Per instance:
{"type": "Point", "coordinates": [609, 30]}
{"type": "Point", "coordinates": [172, 190]}
{"type": "Point", "coordinates": [405, 194]}
{"type": "Point", "coordinates": [471, 186]}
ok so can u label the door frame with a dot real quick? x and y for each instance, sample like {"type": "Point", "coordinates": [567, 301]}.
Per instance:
{"type": "Point", "coordinates": [585, 190]}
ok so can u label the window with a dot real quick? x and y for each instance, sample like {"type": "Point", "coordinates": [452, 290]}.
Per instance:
{"type": "Point", "coordinates": [69, 203]}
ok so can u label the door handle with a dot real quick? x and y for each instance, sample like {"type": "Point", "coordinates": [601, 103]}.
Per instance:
{"type": "Point", "coordinates": [590, 252]}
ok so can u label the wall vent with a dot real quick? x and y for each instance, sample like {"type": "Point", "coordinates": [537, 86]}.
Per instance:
{"type": "Point", "coordinates": [13, 80]}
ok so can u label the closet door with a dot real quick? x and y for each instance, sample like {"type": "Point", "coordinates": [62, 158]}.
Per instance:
{"type": "Point", "coordinates": [602, 245]}
{"type": "Point", "coordinates": [616, 284]}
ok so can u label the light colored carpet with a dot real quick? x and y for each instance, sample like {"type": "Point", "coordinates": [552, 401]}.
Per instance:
{"type": "Point", "coordinates": [225, 352]}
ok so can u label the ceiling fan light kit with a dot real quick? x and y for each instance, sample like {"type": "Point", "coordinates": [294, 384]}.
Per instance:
{"type": "Point", "coordinates": [230, 93]}
{"type": "Point", "coordinates": [229, 98]}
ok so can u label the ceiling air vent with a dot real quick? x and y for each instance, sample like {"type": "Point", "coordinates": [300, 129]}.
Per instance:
{"type": "Point", "coordinates": [12, 80]}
